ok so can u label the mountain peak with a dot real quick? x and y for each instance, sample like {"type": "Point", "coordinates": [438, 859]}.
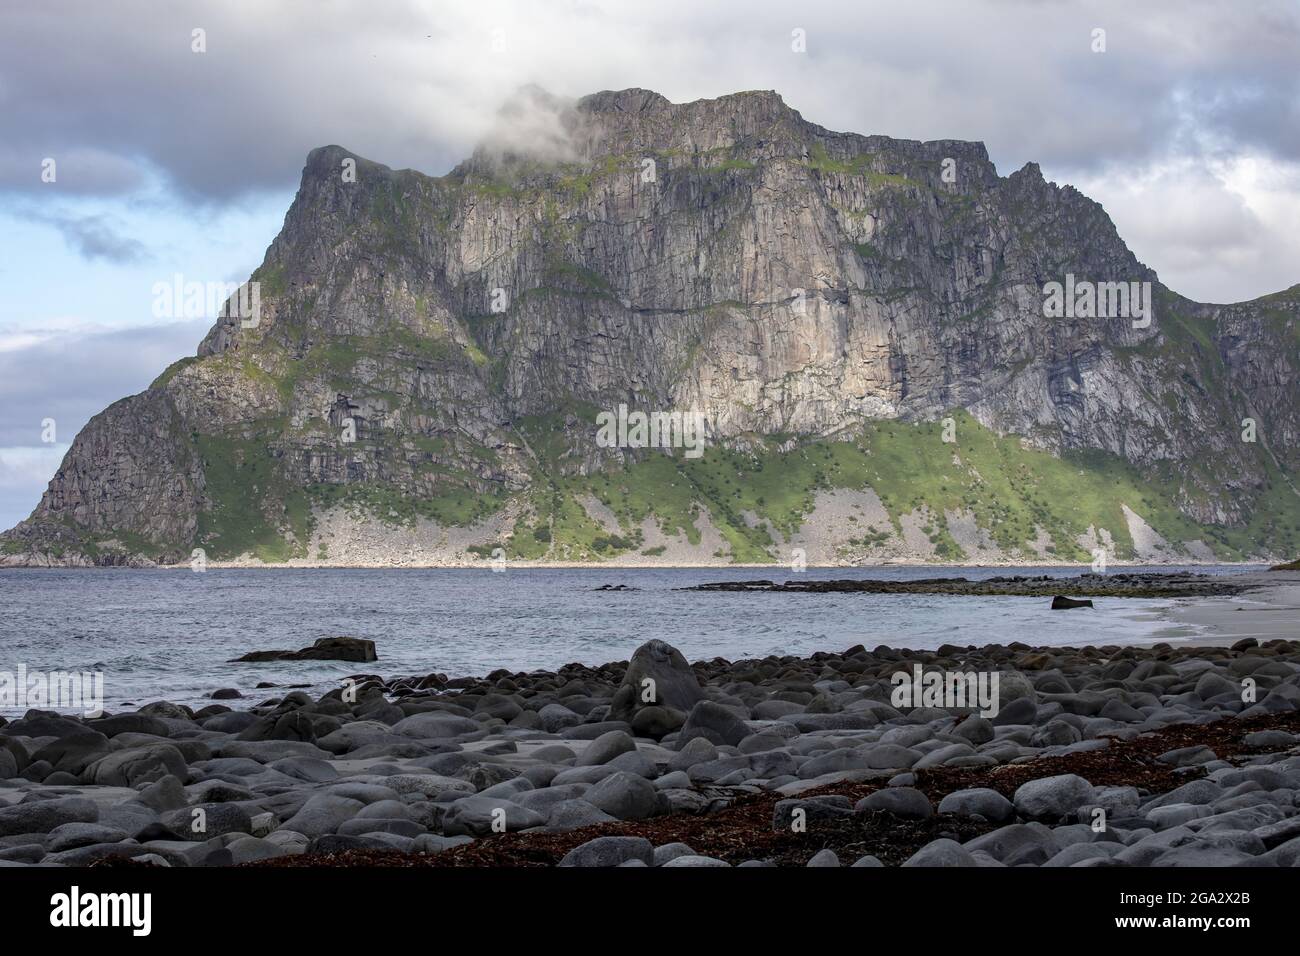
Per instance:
{"type": "Point", "coordinates": [805, 290]}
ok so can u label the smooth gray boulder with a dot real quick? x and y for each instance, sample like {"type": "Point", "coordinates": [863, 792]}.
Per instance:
{"type": "Point", "coordinates": [126, 768]}
{"type": "Point", "coordinates": [624, 795]}
{"type": "Point", "coordinates": [610, 851]}
{"type": "Point", "coordinates": [575, 814]}
{"type": "Point", "coordinates": [70, 836]}
{"type": "Point", "coordinates": [978, 801]}
{"type": "Point", "coordinates": [479, 816]}
{"type": "Point", "coordinates": [605, 748]}
{"type": "Point", "coordinates": [941, 852]}
{"type": "Point", "coordinates": [715, 723]}
{"type": "Point", "coordinates": [322, 814]}
{"type": "Point", "coordinates": [902, 802]}
{"type": "Point", "coordinates": [693, 860]}
{"type": "Point", "coordinates": [657, 676]}
{"type": "Point", "coordinates": [42, 816]}
{"type": "Point", "coordinates": [1054, 797]}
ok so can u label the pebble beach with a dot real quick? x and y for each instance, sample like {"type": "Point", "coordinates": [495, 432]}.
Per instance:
{"type": "Point", "coordinates": [1097, 755]}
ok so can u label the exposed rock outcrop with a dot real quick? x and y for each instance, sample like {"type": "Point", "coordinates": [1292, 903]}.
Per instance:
{"type": "Point", "coordinates": [435, 349]}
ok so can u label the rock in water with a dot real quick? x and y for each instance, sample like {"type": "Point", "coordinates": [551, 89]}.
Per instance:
{"type": "Point", "coordinates": [1062, 603]}
{"type": "Point", "coordinates": [657, 676]}
{"type": "Point", "coordinates": [355, 649]}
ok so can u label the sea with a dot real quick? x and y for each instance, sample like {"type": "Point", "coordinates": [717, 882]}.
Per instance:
{"type": "Point", "coordinates": [171, 634]}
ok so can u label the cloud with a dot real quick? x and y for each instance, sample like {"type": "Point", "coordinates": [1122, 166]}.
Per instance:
{"type": "Point", "coordinates": [94, 236]}
{"type": "Point", "coordinates": [417, 83]}
{"type": "Point", "coordinates": [536, 124]}
{"type": "Point", "coordinates": [76, 170]}
{"type": "Point", "coordinates": [1224, 231]}
{"type": "Point", "coordinates": [116, 94]}
{"type": "Point", "coordinates": [62, 374]}
{"type": "Point", "coordinates": [24, 475]}
{"type": "Point", "coordinates": [70, 372]}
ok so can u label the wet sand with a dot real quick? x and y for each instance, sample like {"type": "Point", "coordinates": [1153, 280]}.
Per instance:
{"type": "Point", "coordinates": [1265, 612]}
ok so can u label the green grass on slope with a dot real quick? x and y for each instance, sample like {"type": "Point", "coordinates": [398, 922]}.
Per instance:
{"type": "Point", "coordinates": [1012, 490]}
{"type": "Point", "coordinates": [455, 506]}
{"type": "Point", "coordinates": [251, 508]}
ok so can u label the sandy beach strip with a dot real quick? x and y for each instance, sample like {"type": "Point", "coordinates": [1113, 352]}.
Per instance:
{"type": "Point", "coordinates": [1268, 612]}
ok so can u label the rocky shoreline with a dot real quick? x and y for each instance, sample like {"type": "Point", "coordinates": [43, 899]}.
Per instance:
{"type": "Point", "coordinates": [1092, 756]}
{"type": "Point", "coordinates": [1123, 584]}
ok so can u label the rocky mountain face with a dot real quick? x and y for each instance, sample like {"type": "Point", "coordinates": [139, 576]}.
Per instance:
{"type": "Point", "coordinates": [860, 320]}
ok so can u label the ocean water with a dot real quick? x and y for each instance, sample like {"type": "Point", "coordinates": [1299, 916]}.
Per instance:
{"type": "Point", "coordinates": [169, 635]}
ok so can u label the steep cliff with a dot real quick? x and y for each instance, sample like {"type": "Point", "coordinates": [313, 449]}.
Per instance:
{"type": "Point", "coordinates": [859, 319]}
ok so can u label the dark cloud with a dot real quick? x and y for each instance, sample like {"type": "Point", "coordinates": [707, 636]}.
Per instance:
{"type": "Point", "coordinates": [93, 237]}
{"type": "Point", "coordinates": [416, 83]}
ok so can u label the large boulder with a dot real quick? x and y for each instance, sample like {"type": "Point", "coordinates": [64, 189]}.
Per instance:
{"type": "Point", "coordinates": [715, 723]}
{"type": "Point", "coordinates": [42, 816]}
{"type": "Point", "coordinates": [1013, 686]}
{"type": "Point", "coordinates": [1054, 797]}
{"type": "Point", "coordinates": [610, 851]}
{"type": "Point", "coordinates": [978, 802]}
{"type": "Point", "coordinates": [941, 852]}
{"type": "Point", "coordinates": [624, 795]}
{"type": "Point", "coordinates": [356, 649]}
{"type": "Point", "coordinates": [605, 748]}
{"type": "Point", "coordinates": [323, 813]}
{"type": "Point", "coordinates": [126, 768]}
{"type": "Point", "coordinates": [44, 723]}
{"type": "Point", "coordinates": [75, 752]}
{"type": "Point", "coordinates": [657, 676]}
{"type": "Point", "coordinates": [479, 815]}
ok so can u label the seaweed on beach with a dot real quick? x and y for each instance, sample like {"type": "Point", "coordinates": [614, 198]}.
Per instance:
{"type": "Point", "coordinates": [743, 829]}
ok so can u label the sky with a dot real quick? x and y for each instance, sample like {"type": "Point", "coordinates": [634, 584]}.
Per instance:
{"type": "Point", "coordinates": [144, 140]}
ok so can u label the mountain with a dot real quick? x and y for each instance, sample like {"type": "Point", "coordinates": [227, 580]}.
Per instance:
{"type": "Point", "coordinates": [860, 321]}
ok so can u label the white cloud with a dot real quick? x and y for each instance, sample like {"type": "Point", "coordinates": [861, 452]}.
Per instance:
{"type": "Point", "coordinates": [25, 466]}
{"type": "Point", "coordinates": [1218, 231]}
{"type": "Point", "coordinates": [24, 474]}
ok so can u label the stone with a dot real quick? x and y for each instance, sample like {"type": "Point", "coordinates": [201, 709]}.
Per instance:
{"type": "Point", "coordinates": [656, 676]}
{"type": "Point", "coordinates": [1054, 797]}
{"type": "Point", "coordinates": [73, 753]}
{"type": "Point", "coordinates": [829, 807]}
{"type": "Point", "coordinates": [715, 723]}
{"type": "Point", "coordinates": [697, 750]}
{"type": "Point", "coordinates": [624, 796]}
{"type": "Point", "coordinates": [657, 722]}
{"type": "Point", "coordinates": [670, 851]}
{"type": "Point", "coordinates": [436, 726]}
{"type": "Point", "coordinates": [692, 860]}
{"type": "Point", "coordinates": [575, 814]}
{"type": "Point", "coordinates": [321, 814]}
{"type": "Point", "coordinates": [42, 816]}
{"type": "Point", "coordinates": [610, 851]}
{"type": "Point", "coordinates": [250, 849]}
{"type": "Point", "coordinates": [126, 768]}
{"type": "Point", "coordinates": [355, 649]}
{"type": "Point", "coordinates": [205, 821]}
{"type": "Point", "coordinates": [137, 723]}
{"type": "Point", "coordinates": [977, 730]}
{"type": "Point", "coordinates": [69, 836]}
{"type": "Point", "coordinates": [978, 801]}
{"type": "Point", "coordinates": [605, 748]}
{"type": "Point", "coordinates": [556, 718]}
{"type": "Point", "coordinates": [942, 852]}
{"type": "Point", "coordinates": [477, 815]}
{"type": "Point", "coordinates": [902, 802]}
